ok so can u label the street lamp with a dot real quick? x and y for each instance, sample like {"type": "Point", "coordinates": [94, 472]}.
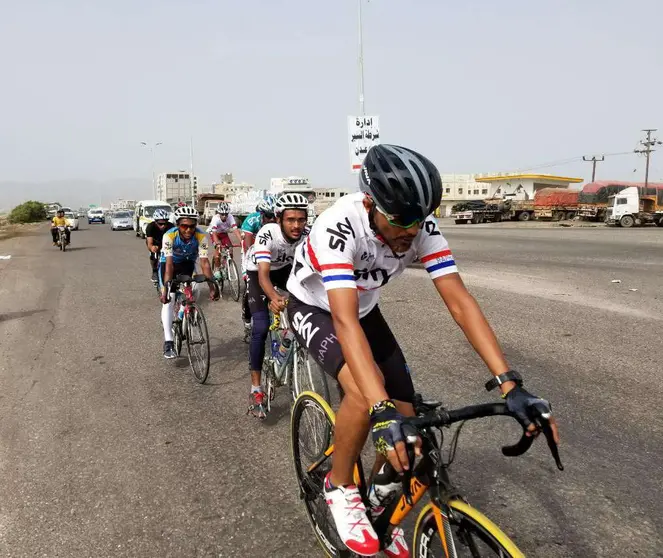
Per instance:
{"type": "Point", "coordinates": [152, 148]}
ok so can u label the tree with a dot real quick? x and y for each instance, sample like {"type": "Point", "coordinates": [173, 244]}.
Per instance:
{"type": "Point", "coordinates": [28, 212]}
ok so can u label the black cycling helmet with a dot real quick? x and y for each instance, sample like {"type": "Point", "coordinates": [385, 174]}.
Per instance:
{"type": "Point", "coordinates": [401, 182]}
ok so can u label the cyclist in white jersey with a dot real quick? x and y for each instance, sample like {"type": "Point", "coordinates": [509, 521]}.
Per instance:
{"type": "Point", "coordinates": [268, 264]}
{"type": "Point", "coordinates": [220, 227]}
{"type": "Point", "coordinates": [355, 247]}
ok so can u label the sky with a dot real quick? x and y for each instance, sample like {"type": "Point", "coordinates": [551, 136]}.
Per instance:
{"type": "Point", "coordinates": [264, 88]}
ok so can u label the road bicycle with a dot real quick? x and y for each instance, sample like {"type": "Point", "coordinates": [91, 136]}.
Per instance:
{"type": "Point", "coordinates": [448, 526]}
{"type": "Point", "coordinates": [190, 326]}
{"type": "Point", "coordinates": [226, 271]}
{"type": "Point", "coordinates": [288, 363]}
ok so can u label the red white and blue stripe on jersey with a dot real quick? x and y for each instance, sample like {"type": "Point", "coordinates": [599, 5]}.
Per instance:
{"type": "Point", "coordinates": [335, 275]}
{"type": "Point", "coordinates": [263, 256]}
{"type": "Point", "coordinates": [438, 261]}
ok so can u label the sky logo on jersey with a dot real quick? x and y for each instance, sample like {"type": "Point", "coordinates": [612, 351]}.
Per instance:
{"type": "Point", "coordinates": [438, 260]}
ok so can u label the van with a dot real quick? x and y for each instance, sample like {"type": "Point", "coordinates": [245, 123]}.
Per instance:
{"type": "Point", "coordinates": [144, 212]}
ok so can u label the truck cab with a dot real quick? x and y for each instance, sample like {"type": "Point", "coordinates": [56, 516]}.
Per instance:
{"type": "Point", "coordinates": [628, 208]}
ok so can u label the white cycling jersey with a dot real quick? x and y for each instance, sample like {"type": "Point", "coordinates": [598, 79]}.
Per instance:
{"type": "Point", "coordinates": [342, 251]}
{"type": "Point", "coordinates": [219, 226]}
{"type": "Point", "coordinates": [271, 247]}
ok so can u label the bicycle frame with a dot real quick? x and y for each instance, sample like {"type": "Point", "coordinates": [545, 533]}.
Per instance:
{"type": "Point", "coordinates": [282, 373]}
{"type": "Point", "coordinates": [429, 475]}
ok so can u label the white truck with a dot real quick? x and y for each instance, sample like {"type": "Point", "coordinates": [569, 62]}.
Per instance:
{"type": "Point", "coordinates": [629, 208]}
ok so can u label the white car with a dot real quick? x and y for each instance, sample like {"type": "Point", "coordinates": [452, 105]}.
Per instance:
{"type": "Point", "coordinates": [96, 215]}
{"type": "Point", "coordinates": [72, 220]}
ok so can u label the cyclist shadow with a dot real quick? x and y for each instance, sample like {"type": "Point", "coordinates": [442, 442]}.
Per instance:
{"type": "Point", "coordinates": [228, 359]}
{"type": "Point", "coordinates": [279, 410]}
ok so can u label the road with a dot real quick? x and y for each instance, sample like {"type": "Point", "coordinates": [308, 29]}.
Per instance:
{"type": "Point", "coordinates": [108, 450]}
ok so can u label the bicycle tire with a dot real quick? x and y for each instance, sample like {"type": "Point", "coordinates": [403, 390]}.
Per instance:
{"type": "Point", "coordinates": [467, 531]}
{"type": "Point", "coordinates": [196, 319]}
{"type": "Point", "coordinates": [311, 484]}
{"type": "Point", "coordinates": [233, 280]}
{"type": "Point", "coordinates": [307, 375]}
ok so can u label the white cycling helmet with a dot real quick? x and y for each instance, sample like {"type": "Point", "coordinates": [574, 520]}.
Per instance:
{"type": "Point", "coordinates": [223, 207]}
{"type": "Point", "coordinates": [266, 206]}
{"type": "Point", "coordinates": [186, 212]}
{"type": "Point", "coordinates": [161, 215]}
{"type": "Point", "coordinates": [290, 201]}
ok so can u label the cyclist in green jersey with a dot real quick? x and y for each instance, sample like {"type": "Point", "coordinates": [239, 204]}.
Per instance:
{"type": "Point", "coordinates": [264, 214]}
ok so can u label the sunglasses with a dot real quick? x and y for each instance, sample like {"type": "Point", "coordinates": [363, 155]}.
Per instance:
{"type": "Point", "coordinates": [401, 221]}
{"type": "Point", "coordinates": [187, 227]}
{"type": "Point", "coordinates": [162, 223]}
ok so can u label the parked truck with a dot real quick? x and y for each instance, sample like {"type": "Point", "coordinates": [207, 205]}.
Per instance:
{"type": "Point", "coordinates": [206, 205]}
{"type": "Point", "coordinates": [492, 210]}
{"type": "Point", "coordinates": [556, 204]}
{"type": "Point", "coordinates": [629, 208]}
{"type": "Point", "coordinates": [595, 197]}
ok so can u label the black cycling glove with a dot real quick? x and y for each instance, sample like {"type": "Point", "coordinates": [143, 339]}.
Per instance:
{"type": "Point", "coordinates": [526, 407]}
{"type": "Point", "coordinates": [387, 426]}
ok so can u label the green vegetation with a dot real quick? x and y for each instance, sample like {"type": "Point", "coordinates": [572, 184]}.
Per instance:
{"type": "Point", "coordinates": [28, 212]}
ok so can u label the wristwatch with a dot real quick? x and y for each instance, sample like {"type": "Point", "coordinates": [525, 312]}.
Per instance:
{"type": "Point", "coordinates": [509, 376]}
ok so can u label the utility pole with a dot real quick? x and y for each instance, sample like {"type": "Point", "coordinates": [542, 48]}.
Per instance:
{"type": "Point", "coordinates": [593, 160]}
{"type": "Point", "coordinates": [191, 181]}
{"type": "Point", "coordinates": [361, 65]}
{"type": "Point", "coordinates": [647, 148]}
{"type": "Point", "coordinates": [152, 148]}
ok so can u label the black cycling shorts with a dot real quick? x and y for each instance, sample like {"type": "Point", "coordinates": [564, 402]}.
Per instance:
{"type": "Point", "coordinates": [314, 329]}
{"type": "Point", "coordinates": [257, 299]}
{"type": "Point", "coordinates": [183, 268]}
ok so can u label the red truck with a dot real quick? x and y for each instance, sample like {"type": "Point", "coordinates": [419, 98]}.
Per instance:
{"type": "Point", "coordinates": [556, 203]}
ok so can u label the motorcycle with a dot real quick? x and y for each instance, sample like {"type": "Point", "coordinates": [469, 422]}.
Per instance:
{"type": "Point", "coordinates": [62, 238]}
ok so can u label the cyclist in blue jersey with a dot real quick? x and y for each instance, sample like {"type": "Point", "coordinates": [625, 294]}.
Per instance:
{"type": "Point", "coordinates": [182, 246]}
{"type": "Point", "coordinates": [263, 215]}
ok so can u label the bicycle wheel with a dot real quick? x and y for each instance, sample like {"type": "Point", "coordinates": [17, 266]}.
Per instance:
{"type": "Point", "coordinates": [307, 375]}
{"type": "Point", "coordinates": [466, 533]}
{"type": "Point", "coordinates": [197, 343]}
{"type": "Point", "coordinates": [233, 279]}
{"type": "Point", "coordinates": [311, 432]}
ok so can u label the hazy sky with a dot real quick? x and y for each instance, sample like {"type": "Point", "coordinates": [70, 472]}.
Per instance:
{"type": "Point", "coordinates": [265, 86]}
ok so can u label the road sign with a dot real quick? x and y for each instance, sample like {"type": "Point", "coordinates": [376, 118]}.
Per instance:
{"type": "Point", "coordinates": [363, 133]}
{"type": "Point", "coordinates": [92, 205]}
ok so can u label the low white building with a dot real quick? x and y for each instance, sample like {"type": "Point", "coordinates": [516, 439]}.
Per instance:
{"type": "Point", "coordinates": [460, 187]}
{"type": "Point", "coordinates": [325, 197]}
{"type": "Point", "coordinates": [522, 186]}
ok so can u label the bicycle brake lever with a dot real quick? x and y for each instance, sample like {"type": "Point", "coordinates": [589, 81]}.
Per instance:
{"type": "Point", "coordinates": [407, 475]}
{"type": "Point", "coordinates": [552, 445]}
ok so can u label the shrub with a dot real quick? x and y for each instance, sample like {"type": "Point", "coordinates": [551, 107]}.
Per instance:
{"type": "Point", "coordinates": [28, 212]}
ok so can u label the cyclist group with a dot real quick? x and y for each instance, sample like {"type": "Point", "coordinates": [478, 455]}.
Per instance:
{"type": "Point", "coordinates": [333, 274]}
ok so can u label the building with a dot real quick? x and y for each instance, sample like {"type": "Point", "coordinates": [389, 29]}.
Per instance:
{"type": "Point", "coordinates": [325, 197]}
{"type": "Point", "coordinates": [122, 204]}
{"type": "Point", "coordinates": [523, 186]}
{"type": "Point", "coordinates": [462, 187]}
{"type": "Point", "coordinates": [175, 187]}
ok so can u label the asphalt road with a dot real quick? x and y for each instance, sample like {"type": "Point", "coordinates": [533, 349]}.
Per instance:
{"type": "Point", "coordinates": [108, 450]}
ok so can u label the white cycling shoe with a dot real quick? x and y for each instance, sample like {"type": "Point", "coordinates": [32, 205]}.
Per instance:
{"type": "Point", "coordinates": [398, 547]}
{"type": "Point", "coordinates": [352, 524]}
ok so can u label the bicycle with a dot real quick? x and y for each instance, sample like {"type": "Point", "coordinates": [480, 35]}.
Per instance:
{"type": "Point", "coordinates": [288, 363]}
{"type": "Point", "coordinates": [190, 325]}
{"type": "Point", "coordinates": [448, 526]}
{"type": "Point", "coordinates": [226, 270]}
